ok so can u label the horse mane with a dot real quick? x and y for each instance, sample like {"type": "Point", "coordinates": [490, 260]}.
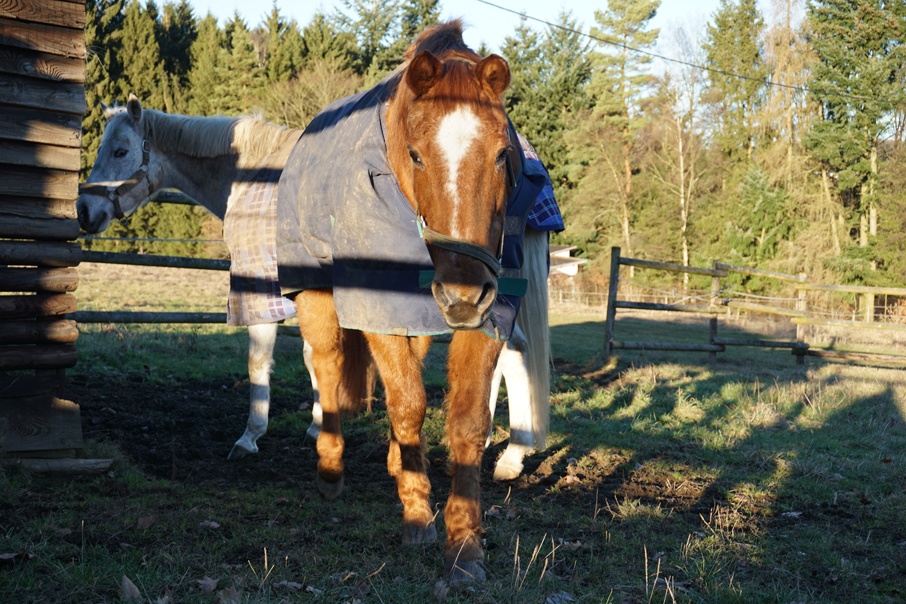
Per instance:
{"type": "Point", "coordinates": [441, 40]}
{"type": "Point", "coordinates": [250, 136]}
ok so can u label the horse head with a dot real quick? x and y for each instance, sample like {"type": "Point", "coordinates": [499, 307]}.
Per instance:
{"type": "Point", "coordinates": [120, 179]}
{"type": "Point", "coordinates": [450, 154]}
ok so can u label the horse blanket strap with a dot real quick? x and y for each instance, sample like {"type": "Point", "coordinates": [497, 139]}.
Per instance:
{"type": "Point", "coordinates": [250, 232]}
{"type": "Point", "coordinates": [113, 193]}
{"type": "Point", "coordinates": [360, 235]}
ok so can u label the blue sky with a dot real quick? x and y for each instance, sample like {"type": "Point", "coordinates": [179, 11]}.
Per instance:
{"type": "Point", "coordinates": [484, 23]}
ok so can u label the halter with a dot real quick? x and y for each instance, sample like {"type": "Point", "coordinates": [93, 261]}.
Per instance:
{"type": "Point", "coordinates": [461, 246]}
{"type": "Point", "coordinates": [113, 193]}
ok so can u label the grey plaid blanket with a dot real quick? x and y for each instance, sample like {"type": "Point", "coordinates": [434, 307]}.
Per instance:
{"type": "Point", "coordinates": [250, 232]}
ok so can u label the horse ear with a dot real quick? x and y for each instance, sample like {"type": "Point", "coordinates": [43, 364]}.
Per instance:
{"type": "Point", "coordinates": [108, 111]}
{"type": "Point", "coordinates": [134, 108]}
{"type": "Point", "coordinates": [423, 72]}
{"type": "Point", "coordinates": [494, 72]}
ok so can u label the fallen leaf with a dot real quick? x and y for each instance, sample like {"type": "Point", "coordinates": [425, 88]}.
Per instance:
{"type": "Point", "coordinates": [493, 512]}
{"type": "Point", "coordinates": [361, 589]}
{"type": "Point", "coordinates": [229, 596]}
{"type": "Point", "coordinates": [165, 599]}
{"type": "Point", "coordinates": [314, 590]}
{"type": "Point", "coordinates": [209, 524]}
{"type": "Point", "coordinates": [128, 591]}
{"type": "Point", "coordinates": [19, 557]}
{"type": "Point", "coordinates": [146, 521]}
{"type": "Point", "coordinates": [207, 585]}
{"type": "Point", "coordinates": [442, 591]}
{"type": "Point", "coordinates": [560, 597]}
{"type": "Point", "coordinates": [289, 585]}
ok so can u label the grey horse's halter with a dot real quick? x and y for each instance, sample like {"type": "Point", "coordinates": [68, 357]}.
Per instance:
{"type": "Point", "coordinates": [113, 193]}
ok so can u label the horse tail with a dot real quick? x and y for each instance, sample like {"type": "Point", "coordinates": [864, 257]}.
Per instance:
{"type": "Point", "coordinates": [359, 374]}
{"type": "Point", "coordinates": [533, 321]}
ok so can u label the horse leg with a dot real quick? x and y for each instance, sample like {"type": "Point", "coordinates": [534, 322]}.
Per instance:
{"type": "Point", "coordinates": [472, 358]}
{"type": "Point", "coordinates": [399, 362]}
{"type": "Point", "coordinates": [320, 328]}
{"type": "Point", "coordinates": [261, 358]}
{"type": "Point", "coordinates": [512, 364]}
{"type": "Point", "coordinates": [317, 414]}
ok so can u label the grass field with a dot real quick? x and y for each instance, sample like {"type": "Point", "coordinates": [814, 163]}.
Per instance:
{"type": "Point", "coordinates": [668, 477]}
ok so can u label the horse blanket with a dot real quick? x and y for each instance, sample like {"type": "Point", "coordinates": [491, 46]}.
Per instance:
{"type": "Point", "coordinates": [250, 232]}
{"type": "Point", "coordinates": [342, 222]}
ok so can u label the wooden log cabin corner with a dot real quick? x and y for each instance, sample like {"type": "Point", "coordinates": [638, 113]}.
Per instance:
{"type": "Point", "coordinates": [42, 101]}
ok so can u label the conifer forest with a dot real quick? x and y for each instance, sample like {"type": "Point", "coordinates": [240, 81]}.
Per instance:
{"type": "Point", "coordinates": [770, 135]}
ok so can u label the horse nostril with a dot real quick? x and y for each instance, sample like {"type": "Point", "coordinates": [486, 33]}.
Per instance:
{"type": "Point", "coordinates": [488, 291]}
{"type": "Point", "coordinates": [440, 295]}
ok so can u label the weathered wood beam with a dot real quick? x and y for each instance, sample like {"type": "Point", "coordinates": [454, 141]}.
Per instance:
{"type": "Point", "coordinates": [56, 280]}
{"type": "Point", "coordinates": [25, 62]}
{"type": "Point", "coordinates": [91, 316]}
{"type": "Point", "coordinates": [40, 156]}
{"type": "Point", "coordinates": [60, 331]}
{"type": "Point", "coordinates": [37, 126]}
{"type": "Point", "coordinates": [42, 94]}
{"type": "Point", "coordinates": [39, 182]}
{"type": "Point", "coordinates": [152, 260]}
{"type": "Point", "coordinates": [53, 39]}
{"type": "Point", "coordinates": [42, 356]}
{"type": "Point", "coordinates": [40, 253]}
{"type": "Point", "coordinates": [25, 306]}
{"type": "Point", "coordinates": [757, 272]}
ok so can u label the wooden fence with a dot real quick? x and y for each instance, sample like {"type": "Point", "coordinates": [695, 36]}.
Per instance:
{"type": "Point", "coordinates": [721, 299]}
{"type": "Point", "coordinates": [42, 100]}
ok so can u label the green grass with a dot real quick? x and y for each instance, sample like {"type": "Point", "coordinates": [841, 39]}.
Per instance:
{"type": "Point", "coordinates": [669, 477]}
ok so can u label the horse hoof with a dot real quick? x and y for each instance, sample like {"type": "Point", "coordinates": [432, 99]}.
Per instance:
{"type": "Point", "coordinates": [418, 535]}
{"type": "Point", "coordinates": [330, 490]}
{"type": "Point", "coordinates": [505, 471]}
{"type": "Point", "coordinates": [459, 572]}
{"type": "Point", "coordinates": [238, 452]}
{"type": "Point", "coordinates": [311, 435]}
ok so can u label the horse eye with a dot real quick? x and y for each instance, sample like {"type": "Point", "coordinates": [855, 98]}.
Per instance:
{"type": "Point", "coordinates": [415, 157]}
{"type": "Point", "coordinates": [501, 157]}
{"type": "Point", "coordinates": [120, 153]}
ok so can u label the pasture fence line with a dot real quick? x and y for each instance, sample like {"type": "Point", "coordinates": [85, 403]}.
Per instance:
{"type": "Point", "coordinates": [722, 299]}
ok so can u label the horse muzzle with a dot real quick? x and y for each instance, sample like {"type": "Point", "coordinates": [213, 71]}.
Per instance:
{"type": "Point", "coordinates": [465, 307]}
{"type": "Point", "coordinates": [92, 217]}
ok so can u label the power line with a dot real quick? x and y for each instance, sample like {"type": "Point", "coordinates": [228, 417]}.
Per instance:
{"type": "Point", "coordinates": [686, 63]}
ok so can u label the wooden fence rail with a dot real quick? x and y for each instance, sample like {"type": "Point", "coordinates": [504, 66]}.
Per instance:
{"type": "Point", "coordinates": [719, 300]}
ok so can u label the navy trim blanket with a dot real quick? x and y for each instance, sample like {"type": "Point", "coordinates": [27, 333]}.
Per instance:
{"type": "Point", "coordinates": [342, 222]}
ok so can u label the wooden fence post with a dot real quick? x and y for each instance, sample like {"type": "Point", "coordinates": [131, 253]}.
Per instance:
{"type": "Point", "coordinates": [800, 328]}
{"type": "Point", "coordinates": [715, 299]}
{"type": "Point", "coordinates": [611, 301]}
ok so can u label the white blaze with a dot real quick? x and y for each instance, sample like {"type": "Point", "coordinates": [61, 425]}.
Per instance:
{"type": "Point", "coordinates": [454, 137]}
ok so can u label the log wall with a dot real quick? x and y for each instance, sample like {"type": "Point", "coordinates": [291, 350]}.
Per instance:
{"type": "Point", "coordinates": [42, 101]}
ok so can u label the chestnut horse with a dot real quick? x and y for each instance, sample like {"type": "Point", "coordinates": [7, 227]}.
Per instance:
{"type": "Point", "coordinates": [454, 158]}
{"type": "Point", "coordinates": [223, 163]}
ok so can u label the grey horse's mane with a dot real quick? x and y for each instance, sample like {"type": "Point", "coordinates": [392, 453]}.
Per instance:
{"type": "Point", "coordinates": [249, 137]}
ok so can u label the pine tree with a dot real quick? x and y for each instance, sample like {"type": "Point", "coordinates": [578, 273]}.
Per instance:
{"type": "Point", "coordinates": [321, 40]}
{"type": "Point", "coordinates": [208, 54]}
{"type": "Point", "coordinates": [372, 23]}
{"type": "Point", "coordinates": [734, 49]}
{"type": "Point", "coordinates": [179, 31]}
{"type": "Point", "coordinates": [240, 79]}
{"type": "Point", "coordinates": [856, 80]}
{"type": "Point", "coordinates": [143, 70]}
{"type": "Point", "coordinates": [284, 46]}
{"type": "Point", "coordinates": [618, 85]}
{"type": "Point", "coordinates": [102, 25]}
